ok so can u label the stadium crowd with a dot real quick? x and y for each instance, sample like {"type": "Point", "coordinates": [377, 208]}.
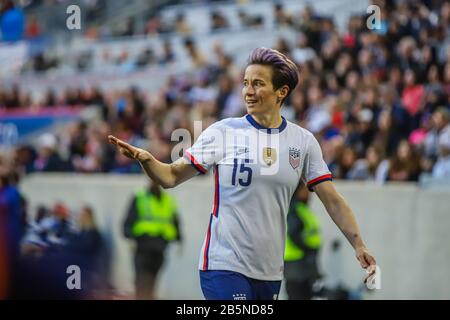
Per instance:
{"type": "Point", "coordinates": [377, 100]}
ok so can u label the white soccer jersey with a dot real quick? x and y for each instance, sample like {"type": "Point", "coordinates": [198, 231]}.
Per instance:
{"type": "Point", "coordinates": [256, 172]}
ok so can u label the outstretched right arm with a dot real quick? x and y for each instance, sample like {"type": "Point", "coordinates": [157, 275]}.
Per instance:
{"type": "Point", "coordinates": [167, 175]}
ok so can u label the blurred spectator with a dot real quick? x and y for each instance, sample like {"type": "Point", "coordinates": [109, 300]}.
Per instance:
{"type": "Point", "coordinates": [365, 130]}
{"type": "Point", "coordinates": [345, 163]}
{"type": "Point", "coordinates": [156, 25]}
{"type": "Point", "coordinates": [387, 136]}
{"type": "Point", "coordinates": [283, 46]}
{"type": "Point", "coordinates": [11, 98]}
{"type": "Point", "coordinates": [317, 117]}
{"type": "Point", "coordinates": [78, 139]}
{"type": "Point", "coordinates": [303, 52]}
{"type": "Point", "coordinates": [58, 226]}
{"type": "Point", "coordinates": [442, 166]}
{"type": "Point", "coordinates": [90, 156]}
{"type": "Point", "coordinates": [247, 20]}
{"type": "Point", "coordinates": [145, 58]}
{"type": "Point", "coordinates": [12, 22]}
{"type": "Point", "coordinates": [218, 21]}
{"type": "Point", "coordinates": [282, 18]}
{"type": "Point", "coordinates": [33, 29]}
{"type": "Point", "coordinates": [413, 93]}
{"type": "Point", "coordinates": [197, 58]}
{"type": "Point", "coordinates": [84, 247]}
{"type": "Point", "coordinates": [228, 102]}
{"type": "Point", "coordinates": [405, 164]}
{"type": "Point", "coordinates": [440, 120]}
{"type": "Point", "coordinates": [181, 25]}
{"type": "Point", "coordinates": [84, 60]}
{"type": "Point", "coordinates": [34, 241]}
{"type": "Point", "coordinates": [10, 214]}
{"type": "Point", "coordinates": [11, 228]}
{"type": "Point", "coordinates": [24, 159]}
{"type": "Point", "coordinates": [367, 168]}
{"type": "Point", "coordinates": [44, 62]}
{"type": "Point", "coordinates": [14, 178]}
{"type": "Point", "coordinates": [168, 54]}
{"type": "Point", "coordinates": [48, 158]}
{"type": "Point", "coordinates": [129, 29]}
{"type": "Point", "coordinates": [308, 23]}
{"type": "Point", "coordinates": [50, 98]}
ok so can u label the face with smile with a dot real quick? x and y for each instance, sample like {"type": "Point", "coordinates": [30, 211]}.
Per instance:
{"type": "Point", "coordinates": [258, 92]}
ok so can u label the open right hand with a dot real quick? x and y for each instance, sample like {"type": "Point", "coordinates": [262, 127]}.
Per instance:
{"type": "Point", "coordinates": [130, 151]}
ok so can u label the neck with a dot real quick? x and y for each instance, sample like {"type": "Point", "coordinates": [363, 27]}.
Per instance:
{"type": "Point", "coordinates": [268, 120]}
{"type": "Point", "coordinates": [156, 192]}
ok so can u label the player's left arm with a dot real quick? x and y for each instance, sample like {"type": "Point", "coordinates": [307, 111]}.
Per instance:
{"type": "Point", "coordinates": [343, 217]}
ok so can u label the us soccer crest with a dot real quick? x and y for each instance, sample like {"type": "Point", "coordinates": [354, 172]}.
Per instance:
{"type": "Point", "coordinates": [294, 157]}
{"type": "Point", "coordinates": [269, 156]}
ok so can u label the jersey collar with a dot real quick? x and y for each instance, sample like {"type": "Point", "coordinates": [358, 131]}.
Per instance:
{"type": "Point", "coordinates": [269, 130]}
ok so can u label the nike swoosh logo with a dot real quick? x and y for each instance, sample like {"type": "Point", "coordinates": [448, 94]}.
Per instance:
{"type": "Point", "coordinates": [241, 151]}
{"type": "Point", "coordinates": [209, 140]}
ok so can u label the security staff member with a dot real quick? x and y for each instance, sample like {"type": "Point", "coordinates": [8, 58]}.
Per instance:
{"type": "Point", "coordinates": [152, 221]}
{"type": "Point", "coordinates": [302, 246]}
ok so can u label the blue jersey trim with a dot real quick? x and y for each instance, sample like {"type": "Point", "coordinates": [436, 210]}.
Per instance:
{"type": "Point", "coordinates": [217, 192]}
{"type": "Point", "coordinates": [269, 130]}
{"type": "Point", "coordinates": [311, 184]}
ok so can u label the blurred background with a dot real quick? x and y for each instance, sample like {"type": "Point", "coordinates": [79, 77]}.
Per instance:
{"type": "Point", "coordinates": [377, 99]}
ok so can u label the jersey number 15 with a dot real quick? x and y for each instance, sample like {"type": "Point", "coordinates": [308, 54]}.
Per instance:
{"type": "Point", "coordinates": [245, 173]}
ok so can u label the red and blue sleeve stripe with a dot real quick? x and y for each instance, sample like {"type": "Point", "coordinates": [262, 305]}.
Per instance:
{"type": "Point", "coordinates": [194, 162]}
{"type": "Point", "coordinates": [316, 181]}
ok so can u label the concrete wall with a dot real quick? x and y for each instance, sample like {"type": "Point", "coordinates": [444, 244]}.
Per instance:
{"type": "Point", "coordinates": [406, 228]}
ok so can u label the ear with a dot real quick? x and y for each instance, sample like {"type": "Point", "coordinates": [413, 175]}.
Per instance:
{"type": "Point", "coordinates": [282, 92]}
